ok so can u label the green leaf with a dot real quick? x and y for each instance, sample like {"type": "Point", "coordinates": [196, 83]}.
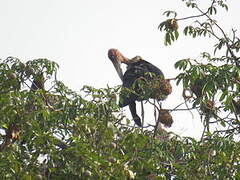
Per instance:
{"type": "Point", "coordinates": [168, 13]}
{"type": "Point", "coordinates": [178, 81]}
{"type": "Point", "coordinates": [212, 10]}
{"type": "Point", "coordinates": [194, 34]}
{"type": "Point", "coordinates": [223, 96]}
{"type": "Point", "coordinates": [177, 64]}
{"type": "Point", "coordinates": [167, 39]}
{"type": "Point", "coordinates": [185, 31]}
{"type": "Point", "coordinates": [226, 7]}
{"type": "Point", "coordinates": [176, 34]}
{"type": "Point", "coordinates": [172, 36]}
{"type": "Point", "coordinates": [223, 123]}
{"type": "Point", "coordinates": [161, 25]}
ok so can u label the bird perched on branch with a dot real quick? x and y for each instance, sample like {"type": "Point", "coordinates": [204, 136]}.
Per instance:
{"type": "Point", "coordinates": [137, 68]}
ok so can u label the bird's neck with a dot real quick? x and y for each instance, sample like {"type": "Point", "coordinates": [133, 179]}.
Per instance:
{"type": "Point", "coordinates": [131, 61]}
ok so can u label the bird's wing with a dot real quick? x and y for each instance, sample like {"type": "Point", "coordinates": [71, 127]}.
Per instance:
{"type": "Point", "coordinates": [151, 68]}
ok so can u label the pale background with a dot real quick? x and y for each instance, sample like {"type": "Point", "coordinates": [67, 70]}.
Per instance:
{"type": "Point", "coordinates": [78, 33]}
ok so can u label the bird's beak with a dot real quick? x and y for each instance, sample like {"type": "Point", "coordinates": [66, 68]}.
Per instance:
{"type": "Point", "coordinates": [117, 58]}
{"type": "Point", "coordinates": [117, 65]}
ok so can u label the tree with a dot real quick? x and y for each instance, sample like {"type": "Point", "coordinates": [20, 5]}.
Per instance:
{"type": "Point", "coordinates": [48, 131]}
{"type": "Point", "coordinates": [213, 81]}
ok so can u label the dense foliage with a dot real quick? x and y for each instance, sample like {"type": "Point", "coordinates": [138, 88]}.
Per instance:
{"type": "Point", "coordinates": [212, 79]}
{"type": "Point", "coordinates": [48, 131]}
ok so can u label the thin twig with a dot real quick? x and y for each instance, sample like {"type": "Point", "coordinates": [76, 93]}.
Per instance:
{"type": "Point", "coordinates": [190, 17]}
{"type": "Point", "coordinates": [203, 14]}
{"type": "Point", "coordinates": [224, 34]}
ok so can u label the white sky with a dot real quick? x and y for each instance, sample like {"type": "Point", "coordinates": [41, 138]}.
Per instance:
{"type": "Point", "coordinates": [77, 35]}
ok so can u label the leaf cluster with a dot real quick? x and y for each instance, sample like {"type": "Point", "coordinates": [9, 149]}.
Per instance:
{"type": "Point", "coordinates": [212, 81]}
{"type": "Point", "coordinates": [61, 134]}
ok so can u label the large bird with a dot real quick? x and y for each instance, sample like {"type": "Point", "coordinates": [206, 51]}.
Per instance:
{"type": "Point", "coordinates": [136, 68]}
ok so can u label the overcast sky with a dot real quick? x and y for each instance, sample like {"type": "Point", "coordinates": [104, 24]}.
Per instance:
{"type": "Point", "coordinates": [77, 35]}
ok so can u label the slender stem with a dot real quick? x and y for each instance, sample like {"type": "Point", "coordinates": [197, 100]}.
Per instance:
{"type": "Point", "coordinates": [190, 17]}
{"type": "Point", "coordinates": [202, 14]}
{"type": "Point", "coordinates": [224, 34]}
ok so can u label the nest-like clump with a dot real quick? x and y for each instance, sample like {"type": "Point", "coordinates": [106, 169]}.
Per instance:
{"type": "Point", "coordinates": [154, 87]}
{"type": "Point", "coordinates": [161, 89]}
{"type": "Point", "coordinates": [208, 107]}
{"type": "Point", "coordinates": [165, 118]}
{"type": "Point", "coordinates": [172, 24]}
{"type": "Point", "coordinates": [12, 134]}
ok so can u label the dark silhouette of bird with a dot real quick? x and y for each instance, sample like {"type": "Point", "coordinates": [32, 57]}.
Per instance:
{"type": "Point", "coordinates": [136, 68]}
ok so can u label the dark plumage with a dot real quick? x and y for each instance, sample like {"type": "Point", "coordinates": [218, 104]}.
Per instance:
{"type": "Point", "coordinates": [136, 68]}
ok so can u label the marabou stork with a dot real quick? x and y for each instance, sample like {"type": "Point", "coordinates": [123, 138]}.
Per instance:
{"type": "Point", "coordinates": [136, 68]}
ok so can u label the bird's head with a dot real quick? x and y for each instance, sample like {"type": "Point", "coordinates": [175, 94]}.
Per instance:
{"type": "Point", "coordinates": [117, 58]}
{"type": "Point", "coordinates": [115, 55]}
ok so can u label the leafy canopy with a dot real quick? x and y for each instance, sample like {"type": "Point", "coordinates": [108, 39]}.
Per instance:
{"type": "Point", "coordinates": [48, 131]}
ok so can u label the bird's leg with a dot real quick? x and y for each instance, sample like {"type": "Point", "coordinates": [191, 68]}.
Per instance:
{"type": "Point", "coordinates": [142, 112]}
{"type": "Point", "coordinates": [136, 118]}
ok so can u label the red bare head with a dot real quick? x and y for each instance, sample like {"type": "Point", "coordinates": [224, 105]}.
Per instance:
{"type": "Point", "coordinates": [117, 58]}
{"type": "Point", "coordinates": [112, 53]}
{"type": "Point", "coordinates": [115, 55]}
